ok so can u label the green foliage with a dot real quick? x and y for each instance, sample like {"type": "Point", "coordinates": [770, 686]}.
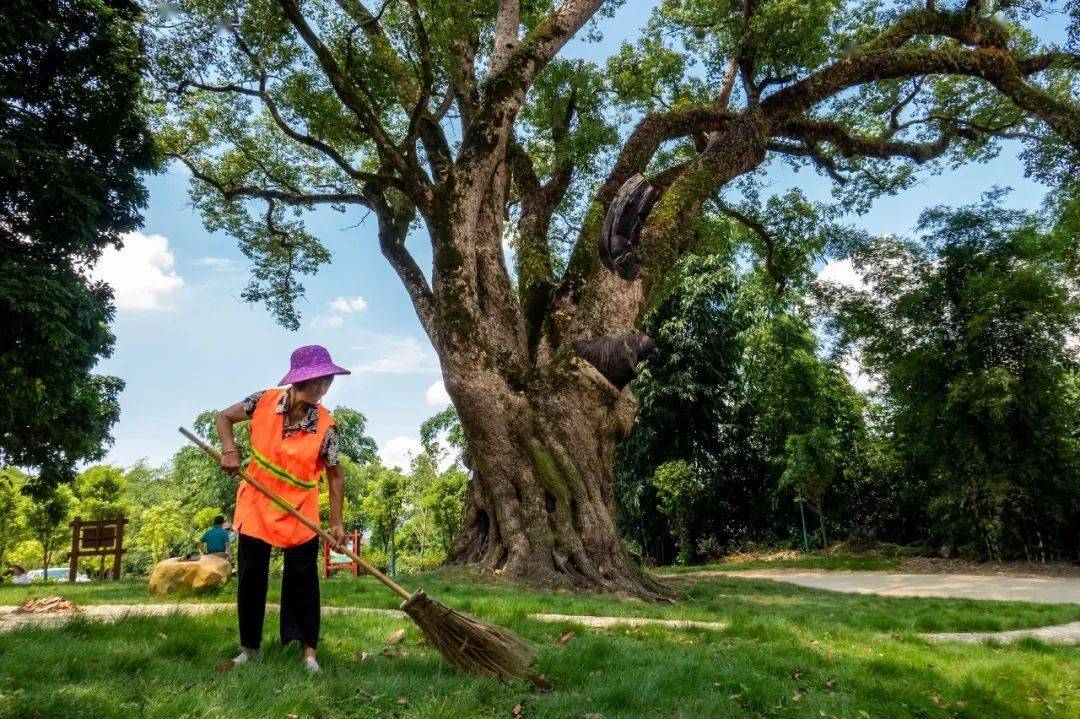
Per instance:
{"type": "Point", "coordinates": [436, 500]}
{"type": "Point", "coordinates": [46, 516]}
{"type": "Point", "coordinates": [354, 444]}
{"type": "Point", "coordinates": [11, 511]}
{"type": "Point", "coordinates": [73, 144]}
{"type": "Point", "coordinates": [678, 488]}
{"type": "Point", "coordinates": [968, 327]}
{"type": "Point", "coordinates": [732, 397]}
{"type": "Point", "coordinates": [162, 529]}
{"type": "Point", "coordinates": [444, 427]}
{"type": "Point", "coordinates": [100, 491]}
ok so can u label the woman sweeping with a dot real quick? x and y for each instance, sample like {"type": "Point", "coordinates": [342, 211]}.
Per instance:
{"type": "Point", "coordinates": [293, 442]}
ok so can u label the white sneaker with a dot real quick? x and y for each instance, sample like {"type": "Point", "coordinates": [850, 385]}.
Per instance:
{"type": "Point", "coordinates": [246, 655]}
{"type": "Point", "coordinates": [312, 665]}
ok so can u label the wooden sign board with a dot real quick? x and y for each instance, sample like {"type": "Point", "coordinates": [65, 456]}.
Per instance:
{"type": "Point", "coordinates": [97, 538]}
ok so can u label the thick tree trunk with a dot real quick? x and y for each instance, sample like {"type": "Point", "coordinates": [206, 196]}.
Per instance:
{"type": "Point", "coordinates": [540, 506]}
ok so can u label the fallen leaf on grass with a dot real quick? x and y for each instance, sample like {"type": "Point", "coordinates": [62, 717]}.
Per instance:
{"type": "Point", "coordinates": [46, 605]}
{"type": "Point", "coordinates": [564, 639]}
{"type": "Point", "coordinates": [798, 695]}
{"type": "Point", "coordinates": [402, 700]}
{"type": "Point", "coordinates": [518, 710]}
{"type": "Point", "coordinates": [225, 665]}
{"type": "Point", "coordinates": [291, 716]}
{"type": "Point", "coordinates": [392, 653]}
{"type": "Point", "coordinates": [594, 716]}
{"type": "Point", "coordinates": [540, 683]}
{"type": "Point", "coordinates": [797, 674]}
{"type": "Point", "coordinates": [396, 637]}
{"type": "Point", "coordinates": [831, 684]}
{"type": "Point", "coordinates": [163, 635]}
{"type": "Point", "coordinates": [362, 657]}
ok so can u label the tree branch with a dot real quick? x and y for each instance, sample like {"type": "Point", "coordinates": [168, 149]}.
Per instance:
{"type": "Point", "coordinates": [816, 131]}
{"type": "Point", "coordinates": [348, 94]}
{"type": "Point", "coordinates": [759, 229]}
{"type": "Point", "coordinates": [812, 151]}
{"type": "Point", "coordinates": [393, 229]}
{"type": "Point", "coordinates": [504, 91]}
{"type": "Point", "coordinates": [265, 193]}
{"type": "Point", "coordinates": [991, 64]}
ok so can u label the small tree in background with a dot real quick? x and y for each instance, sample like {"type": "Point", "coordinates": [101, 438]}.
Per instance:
{"type": "Point", "coordinates": [678, 489]}
{"type": "Point", "coordinates": [384, 506]}
{"type": "Point", "coordinates": [813, 461]}
{"type": "Point", "coordinates": [46, 516]}
{"type": "Point", "coordinates": [435, 503]}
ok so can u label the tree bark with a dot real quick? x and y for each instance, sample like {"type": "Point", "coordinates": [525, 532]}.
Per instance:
{"type": "Point", "coordinates": [540, 505]}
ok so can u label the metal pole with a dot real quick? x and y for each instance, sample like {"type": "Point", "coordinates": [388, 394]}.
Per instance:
{"type": "Point", "coordinates": [805, 538]}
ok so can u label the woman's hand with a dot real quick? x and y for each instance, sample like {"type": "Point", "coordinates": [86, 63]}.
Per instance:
{"type": "Point", "coordinates": [337, 531]}
{"type": "Point", "coordinates": [230, 463]}
{"type": "Point", "coordinates": [225, 419]}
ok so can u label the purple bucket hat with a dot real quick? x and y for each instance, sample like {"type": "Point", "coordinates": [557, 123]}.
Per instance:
{"type": "Point", "coordinates": [309, 362]}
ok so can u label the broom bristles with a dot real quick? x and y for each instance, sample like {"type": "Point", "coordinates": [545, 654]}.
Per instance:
{"type": "Point", "coordinates": [469, 644]}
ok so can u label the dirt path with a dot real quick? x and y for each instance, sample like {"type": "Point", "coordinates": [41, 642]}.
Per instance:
{"type": "Point", "coordinates": [1041, 590]}
{"type": "Point", "coordinates": [604, 622]}
{"type": "Point", "coordinates": [9, 618]}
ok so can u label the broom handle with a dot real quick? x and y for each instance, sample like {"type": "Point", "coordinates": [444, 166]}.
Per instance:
{"type": "Point", "coordinates": [401, 592]}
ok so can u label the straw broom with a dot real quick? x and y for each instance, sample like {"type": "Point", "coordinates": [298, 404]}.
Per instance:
{"type": "Point", "coordinates": [466, 642]}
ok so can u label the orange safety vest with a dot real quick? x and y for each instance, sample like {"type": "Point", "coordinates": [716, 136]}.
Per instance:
{"type": "Point", "coordinates": [289, 466]}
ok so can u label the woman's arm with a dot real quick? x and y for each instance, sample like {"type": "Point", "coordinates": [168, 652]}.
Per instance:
{"type": "Point", "coordinates": [337, 495]}
{"type": "Point", "coordinates": [225, 419]}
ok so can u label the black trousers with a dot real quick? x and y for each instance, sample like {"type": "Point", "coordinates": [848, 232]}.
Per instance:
{"type": "Point", "coordinates": [299, 591]}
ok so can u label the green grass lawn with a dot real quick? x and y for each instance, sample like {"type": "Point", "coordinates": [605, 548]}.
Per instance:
{"type": "Point", "coordinates": [787, 651]}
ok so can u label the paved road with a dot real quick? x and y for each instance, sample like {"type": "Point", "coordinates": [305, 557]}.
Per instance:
{"type": "Point", "coordinates": [1042, 590]}
{"type": "Point", "coordinates": [1057, 634]}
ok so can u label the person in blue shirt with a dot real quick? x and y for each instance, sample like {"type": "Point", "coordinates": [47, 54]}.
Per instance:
{"type": "Point", "coordinates": [215, 540]}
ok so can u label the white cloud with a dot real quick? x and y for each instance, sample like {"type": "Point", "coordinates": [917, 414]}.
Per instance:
{"type": "Point", "coordinates": [331, 321]}
{"type": "Point", "coordinates": [437, 396]}
{"type": "Point", "coordinates": [399, 451]}
{"type": "Point", "coordinates": [397, 355]}
{"type": "Point", "coordinates": [141, 273]}
{"type": "Point", "coordinates": [843, 273]}
{"type": "Point", "coordinates": [218, 264]}
{"type": "Point", "coordinates": [347, 305]}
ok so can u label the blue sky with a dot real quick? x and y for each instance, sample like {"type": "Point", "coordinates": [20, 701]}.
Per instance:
{"type": "Point", "coordinates": [187, 343]}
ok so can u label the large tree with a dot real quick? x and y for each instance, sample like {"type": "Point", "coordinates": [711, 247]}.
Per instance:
{"type": "Point", "coordinates": [460, 117]}
{"type": "Point", "coordinates": [74, 142]}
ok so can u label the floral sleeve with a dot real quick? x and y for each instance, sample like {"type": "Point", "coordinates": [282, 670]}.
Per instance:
{"type": "Point", "coordinates": [251, 401]}
{"type": "Point", "coordinates": [330, 450]}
